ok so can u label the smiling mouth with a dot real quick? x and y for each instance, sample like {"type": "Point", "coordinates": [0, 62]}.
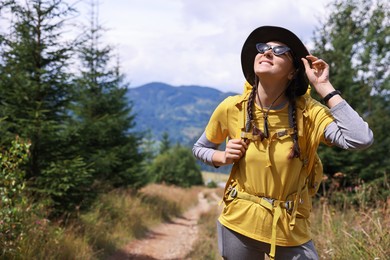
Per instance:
{"type": "Point", "coordinates": [266, 61]}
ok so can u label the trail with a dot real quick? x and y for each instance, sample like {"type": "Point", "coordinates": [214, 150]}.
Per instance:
{"type": "Point", "coordinates": [172, 240]}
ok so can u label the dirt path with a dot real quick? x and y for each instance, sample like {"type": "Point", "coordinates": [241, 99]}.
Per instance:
{"type": "Point", "coordinates": [172, 240]}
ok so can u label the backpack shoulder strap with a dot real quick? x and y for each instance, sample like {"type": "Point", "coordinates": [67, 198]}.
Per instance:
{"type": "Point", "coordinates": [310, 158]}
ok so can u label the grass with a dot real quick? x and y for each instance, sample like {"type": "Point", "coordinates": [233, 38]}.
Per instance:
{"type": "Point", "coordinates": [206, 246]}
{"type": "Point", "coordinates": [214, 178]}
{"type": "Point", "coordinates": [45, 240]}
{"type": "Point", "coordinates": [114, 220]}
{"type": "Point", "coordinates": [361, 233]}
{"type": "Point", "coordinates": [354, 233]}
{"type": "Point", "coordinates": [123, 215]}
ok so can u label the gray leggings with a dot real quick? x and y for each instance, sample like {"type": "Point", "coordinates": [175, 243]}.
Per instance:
{"type": "Point", "coordinates": [233, 245]}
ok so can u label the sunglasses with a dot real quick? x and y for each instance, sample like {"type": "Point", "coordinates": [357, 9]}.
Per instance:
{"type": "Point", "coordinates": [277, 50]}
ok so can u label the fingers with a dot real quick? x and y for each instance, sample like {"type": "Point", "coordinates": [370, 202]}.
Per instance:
{"type": "Point", "coordinates": [315, 62]}
{"type": "Point", "coordinates": [306, 64]}
{"type": "Point", "coordinates": [318, 72]}
{"type": "Point", "coordinates": [235, 149]}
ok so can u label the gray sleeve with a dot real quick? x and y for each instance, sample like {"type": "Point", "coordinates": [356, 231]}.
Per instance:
{"type": "Point", "coordinates": [348, 130]}
{"type": "Point", "coordinates": [203, 150]}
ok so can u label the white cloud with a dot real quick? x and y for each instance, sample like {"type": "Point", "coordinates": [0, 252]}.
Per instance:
{"type": "Point", "coordinates": [187, 42]}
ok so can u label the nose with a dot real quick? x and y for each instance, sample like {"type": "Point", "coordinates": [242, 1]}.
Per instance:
{"type": "Point", "coordinates": [268, 53]}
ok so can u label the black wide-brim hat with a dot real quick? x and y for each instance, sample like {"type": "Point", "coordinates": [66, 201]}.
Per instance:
{"type": "Point", "coordinates": [266, 34]}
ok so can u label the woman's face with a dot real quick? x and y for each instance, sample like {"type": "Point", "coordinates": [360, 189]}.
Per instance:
{"type": "Point", "coordinates": [280, 67]}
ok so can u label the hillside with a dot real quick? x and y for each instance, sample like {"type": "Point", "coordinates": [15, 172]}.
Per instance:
{"type": "Point", "coordinates": [182, 111]}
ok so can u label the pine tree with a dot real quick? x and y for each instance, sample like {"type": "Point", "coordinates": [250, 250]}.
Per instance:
{"type": "Point", "coordinates": [103, 113]}
{"type": "Point", "coordinates": [165, 144]}
{"type": "Point", "coordinates": [355, 43]}
{"type": "Point", "coordinates": [35, 92]}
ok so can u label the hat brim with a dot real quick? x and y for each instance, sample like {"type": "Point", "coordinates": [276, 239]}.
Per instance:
{"type": "Point", "coordinates": [266, 34]}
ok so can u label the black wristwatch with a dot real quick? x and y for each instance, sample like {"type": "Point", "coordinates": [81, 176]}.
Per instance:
{"type": "Point", "coordinates": [330, 95]}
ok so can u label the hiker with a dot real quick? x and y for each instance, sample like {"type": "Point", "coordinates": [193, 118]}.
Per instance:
{"type": "Point", "coordinates": [272, 132]}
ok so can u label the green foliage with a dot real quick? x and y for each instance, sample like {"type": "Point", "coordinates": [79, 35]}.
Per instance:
{"type": "Point", "coordinates": [361, 195]}
{"type": "Point", "coordinates": [36, 92]}
{"type": "Point", "coordinates": [148, 147]}
{"type": "Point", "coordinates": [354, 41]}
{"type": "Point", "coordinates": [165, 144]}
{"type": "Point", "coordinates": [176, 166]}
{"type": "Point", "coordinates": [79, 124]}
{"type": "Point", "coordinates": [212, 184]}
{"type": "Point", "coordinates": [68, 183]}
{"type": "Point", "coordinates": [12, 196]}
{"type": "Point", "coordinates": [102, 114]}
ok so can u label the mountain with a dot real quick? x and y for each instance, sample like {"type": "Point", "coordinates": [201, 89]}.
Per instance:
{"type": "Point", "coordinates": [182, 112]}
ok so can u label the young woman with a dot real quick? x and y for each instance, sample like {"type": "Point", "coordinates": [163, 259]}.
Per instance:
{"type": "Point", "coordinates": [273, 131]}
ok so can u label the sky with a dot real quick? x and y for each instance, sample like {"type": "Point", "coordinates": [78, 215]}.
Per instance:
{"type": "Point", "coordinates": [195, 42]}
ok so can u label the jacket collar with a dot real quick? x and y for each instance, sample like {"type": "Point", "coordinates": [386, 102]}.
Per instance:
{"type": "Point", "coordinates": [302, 101]}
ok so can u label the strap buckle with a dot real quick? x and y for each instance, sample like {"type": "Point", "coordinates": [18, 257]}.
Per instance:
{"type": "Point", "coordinates": [289, 205]}
{"type": "Point", "coordinates": [233, 193]}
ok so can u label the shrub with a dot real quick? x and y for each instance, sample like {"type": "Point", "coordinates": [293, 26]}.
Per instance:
{"type": "Point", "coordinates": [176, 166]}
{"type": "Point", "coordinates": [12, 198]}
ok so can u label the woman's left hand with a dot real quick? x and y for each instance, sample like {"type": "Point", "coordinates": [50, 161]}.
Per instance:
{"type": "Point", "coordinates": [318, 74]}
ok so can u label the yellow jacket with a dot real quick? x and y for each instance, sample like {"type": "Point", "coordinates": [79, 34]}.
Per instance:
{"type": "Point", "coordinates": [266, 172]}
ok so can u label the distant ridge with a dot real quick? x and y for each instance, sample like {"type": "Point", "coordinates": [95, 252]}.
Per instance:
{"type": "Point", "coordinates": [182, 112]}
